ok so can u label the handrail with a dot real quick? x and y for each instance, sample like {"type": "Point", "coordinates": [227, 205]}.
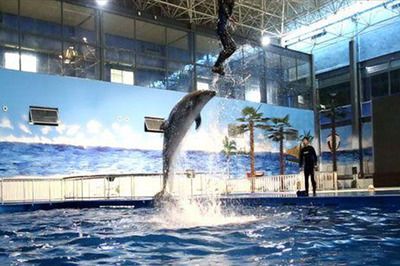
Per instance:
{"type": "Point", "coordinates": [129, 186]}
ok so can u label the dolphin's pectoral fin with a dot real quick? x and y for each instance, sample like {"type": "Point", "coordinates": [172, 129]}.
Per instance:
{"type": "Point", "coordinates": [198, 122]}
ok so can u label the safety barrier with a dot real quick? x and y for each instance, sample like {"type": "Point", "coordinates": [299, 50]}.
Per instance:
{"type": "Point", "coordinates": [131, 186]}
{"type": "Point", "coordinates": [289, 183]}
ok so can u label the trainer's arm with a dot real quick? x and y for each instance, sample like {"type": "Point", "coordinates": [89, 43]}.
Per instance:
{"type": "Point", "coordinates": [315, 157]}
{"type": "Point", "coordinates": [301, 158]}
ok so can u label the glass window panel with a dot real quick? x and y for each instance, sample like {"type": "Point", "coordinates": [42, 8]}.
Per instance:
{"type": "Point", "coordinates": [178, 45]}
{"type": "Point", "coordinates": [380, 85]}
{"type": "Point", "coordinates": [79, 23]}
{"type": "Point", "coordinates": [8, 38]}
{"type": "Point", "coordinates": [41, 45]}
{"type": "Point", "coordinates": [366, 88]}
{"type": "Point", "coordinates": [122, 76]}
{"type": "Point", "coordinates": [207, 50]}
{"type": "Point", "coordinates": [289, 65]}
{"type": "Point", "coordinates": [253, 90]}
{"type": "Point", "coordinates": [180, 77]}
{"type": "Point", "coordinates": [272, 89]}
{"type": "Point", "coordinates": [47, 51]}
{"type": "Point", "coordinates": [150, 38]}
{"type": "Point", "coordinates": [395, 81]}
{"type": "Point", "coordinates": [119, 31]}
{"type": "Point", "coordinates": [36, 19]}
{"type": "Point", "coordinates": [150, 62]}
{"type": "Point", "coordinates": [395, 63]}
{"type": "Point", "coordinates": [9, 14]}
{"type": "Point", "coordinates": [120, 57]}
{"type": "Point", "coordinates": [8, 26]}
{"type": "Point", "coordinates": [150, 78]}
{"type": "Point", "coordinates": [273, 67]}
{"type": "Point", "coordinates": [11, 60]}
{"type": "Point", "coordinates": [367, 147]}
{"type": "Point", "coordinates": [342, 91]}
{"type": "Point", "coordinates": [29, 61]}
{"type": "Point", "coordinates": [3, 52]}
{"type": "Point", "coordinates": [303, 72]}
{"type": "Point", "coordinates": [80, 60]}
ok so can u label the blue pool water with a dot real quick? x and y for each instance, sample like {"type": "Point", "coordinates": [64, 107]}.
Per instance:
{"type": "Point", "coordinates": [253, 236]}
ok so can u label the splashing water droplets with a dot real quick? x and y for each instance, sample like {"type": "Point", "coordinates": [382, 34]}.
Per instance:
{"type": "Point", "coordinates": [189, 212]}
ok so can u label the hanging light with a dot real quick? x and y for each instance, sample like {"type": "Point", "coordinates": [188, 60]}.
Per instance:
{"type": "Point", "coordinates": [265, 40]}
{"type": "Point", "coordinates": [102, 2]}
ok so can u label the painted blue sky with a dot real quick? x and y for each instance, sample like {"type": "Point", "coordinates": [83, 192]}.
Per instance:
{"type": "Point", "coordinates": [95, 113]}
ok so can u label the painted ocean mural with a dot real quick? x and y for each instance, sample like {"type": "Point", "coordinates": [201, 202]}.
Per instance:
{"type": "Point", "coordinates": [101, 130]}
{"type": "Point", "coordinates": [22, 159]}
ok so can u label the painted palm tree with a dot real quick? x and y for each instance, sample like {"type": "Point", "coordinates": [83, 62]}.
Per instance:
{"type": "Point", "coordinates": [229, 149]}
{"type": "Point", "coordinates": [280, 131]}
{"type": "Point", "coordinates": [308, 135]}
{"type": "Point", "coordinates": [332, 112]}
{"type": "Point", "coordinates": [250, 120]}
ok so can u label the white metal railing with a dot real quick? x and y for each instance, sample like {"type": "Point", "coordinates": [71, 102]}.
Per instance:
{"type": "Point", "coordinates": [132, 186]}
{"type": "Point", "coordinates": [288, 183]}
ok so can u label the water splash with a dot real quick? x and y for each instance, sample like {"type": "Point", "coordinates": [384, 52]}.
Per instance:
{"type": "Point", "coordinates": [189, 212]}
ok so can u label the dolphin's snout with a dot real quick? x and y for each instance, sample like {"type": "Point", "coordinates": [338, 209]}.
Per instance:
{"type": "Point", "coordinates": [210, 93]}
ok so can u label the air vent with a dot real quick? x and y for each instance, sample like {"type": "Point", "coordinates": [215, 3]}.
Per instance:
{"type": "Point", "coordinates": [44, 116]}
{"type": "Point", "coordinates": [153, 124]}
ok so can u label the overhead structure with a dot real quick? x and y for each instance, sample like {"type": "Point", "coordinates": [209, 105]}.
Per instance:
{"type": "Point", "coordinates": [255, 17]}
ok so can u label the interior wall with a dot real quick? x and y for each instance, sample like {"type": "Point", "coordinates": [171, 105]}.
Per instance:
{"type": "Point", "coordinates": [101, 130]}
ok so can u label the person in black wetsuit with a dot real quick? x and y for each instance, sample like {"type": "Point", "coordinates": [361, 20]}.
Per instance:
{"type": "Point", "coordinates": [308, 161]}
{"type": "Point", "coordinates": [225, 14]}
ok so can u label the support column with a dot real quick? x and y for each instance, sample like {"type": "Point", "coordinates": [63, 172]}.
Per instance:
{"type": "Point", "coordinates": [263, 81]}
{"type": "Point", "coordinates": [100, 43]}
{"type": "Point", "coordinates": [315, 103]}
{"type": "Point", "coordinates": [192, 49]}
{"type": "Point", "coordinates": [356, 103]}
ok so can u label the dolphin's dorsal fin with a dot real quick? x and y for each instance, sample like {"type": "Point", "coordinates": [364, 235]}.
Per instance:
{"type": "Point", "coordinates": [198, 122]}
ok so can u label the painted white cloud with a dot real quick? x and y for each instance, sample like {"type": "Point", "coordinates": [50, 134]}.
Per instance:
{"type": "Point", "coordinates": [72, 130]}
{"type": "Point", "coordinates": [126, 137]}
{"type": "Point", "coordinates": [46, 130]}
{"type": "Point", "coordinates": [6, 123]}
{"type": "Point", "coordinates": [93, 127]}
{"type": "Point", "coordinates": [25, 129]}
{"type": "Point", "coordinates": [31, 139]}
{"type": "Point", "coordinates": [61, 128]}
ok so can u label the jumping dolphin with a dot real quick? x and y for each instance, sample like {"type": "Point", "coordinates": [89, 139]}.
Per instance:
{"type": "Point", "coordinates": [182, 116]}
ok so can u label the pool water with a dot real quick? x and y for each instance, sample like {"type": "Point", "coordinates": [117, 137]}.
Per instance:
{"type": "Point", "coordinates": [193, 236]}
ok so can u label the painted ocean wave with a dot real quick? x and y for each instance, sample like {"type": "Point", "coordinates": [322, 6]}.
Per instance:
{"type": "Point", "coordinates": [27, 159]}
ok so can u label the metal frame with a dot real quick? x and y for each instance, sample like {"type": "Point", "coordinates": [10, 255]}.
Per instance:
{"type": "Point", "coordinates": [255, 17]}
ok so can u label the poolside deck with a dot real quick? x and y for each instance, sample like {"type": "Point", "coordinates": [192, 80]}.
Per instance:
{"type": "Point", "coordinates": [381, 198]}
{"type": "Point", "coordinates": [137, 191]}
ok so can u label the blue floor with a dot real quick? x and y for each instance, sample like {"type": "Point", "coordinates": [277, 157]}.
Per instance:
{"type": "Point", "coordinates": [389, 199]}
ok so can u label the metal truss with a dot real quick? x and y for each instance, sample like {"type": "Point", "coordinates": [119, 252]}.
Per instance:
{"type": "Point", "coordinates": [255, 17]}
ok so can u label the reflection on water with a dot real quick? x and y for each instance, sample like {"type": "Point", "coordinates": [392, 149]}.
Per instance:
{"type": "Point", "coordinates": [269, 236]}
